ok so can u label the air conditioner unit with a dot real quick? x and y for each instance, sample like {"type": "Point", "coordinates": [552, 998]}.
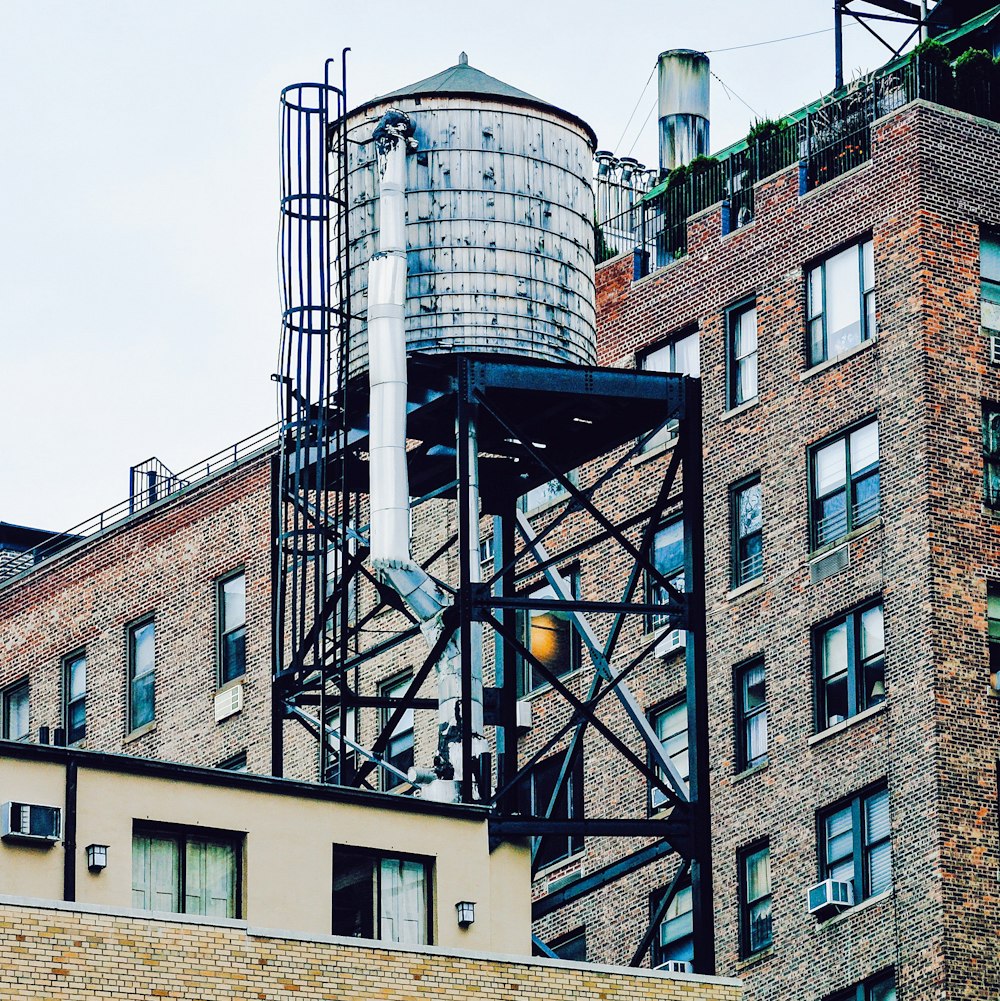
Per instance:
{"type": "Point", "coordinates": [523, 714]}
{"type": "Point", "coordinates": [228, 702]}
{"type": "Point", "coordinates": [29, 822]}
{"type": "Point", "coordinates": [675, 966]}
{"type": "Point", "coordinates": [995, 349]}
{"type": "Point", "coordinates": [830, 897]}
{"type": "Point", "coordinates": [676, 639]}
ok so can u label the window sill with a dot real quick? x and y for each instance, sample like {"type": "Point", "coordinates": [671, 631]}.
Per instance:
{"type": "Point", "coordinates": [750, 585]}
{"type": "Point", "coordinates": [545, 505]}
{"type": "Point", "coordinates": [542, 689]}
{"type": "Point", "coordinates": [231, 684]}
{"type": "Point", "coordinates": [728, 415]}
{"type": "Point", "coordinates": [754, 958]}
{"type": "Point", "coordinates": [140, 732]}
{"type": "Point", "coordinates": [655, 452]}
{"type": "Point", "coordinates": [749, 772]}
{"type": "Point", "coordinates": [837, 359]}
{"type": "Point", "coordinates": [827, 547]}
{"type": "Point", "coordinates": [553, 870]}
{"type": "Point", "coordinates": [832, 731]}
{"type": "Point", "coordinates": [864, 905]}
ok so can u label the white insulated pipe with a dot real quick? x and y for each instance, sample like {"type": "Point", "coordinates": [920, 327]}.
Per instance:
{"type": "Point", "coordinates": [389, 491]}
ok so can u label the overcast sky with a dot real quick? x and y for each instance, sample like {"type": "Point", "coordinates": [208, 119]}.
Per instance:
{"type": "Point", "coordinates": [139, 308]}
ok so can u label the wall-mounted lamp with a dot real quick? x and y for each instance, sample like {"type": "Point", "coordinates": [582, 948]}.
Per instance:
{"type": "Point", "coordinates": [465, 911]}
{"type": "Point", "coordinates": [97, 857]}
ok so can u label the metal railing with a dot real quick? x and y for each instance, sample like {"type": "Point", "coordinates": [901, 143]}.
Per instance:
{"type": "Point", "coordinates": [830, 140]}
{"type": "Point", "coordinates": [17, 563]}
{"type": "Point", "coordinates": [751, 567]}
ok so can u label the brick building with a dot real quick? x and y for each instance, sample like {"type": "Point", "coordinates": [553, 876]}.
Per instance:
{"type": "Point", "coordinates": [843, 341]}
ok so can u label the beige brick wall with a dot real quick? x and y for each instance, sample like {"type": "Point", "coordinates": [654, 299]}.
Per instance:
{"type": "Point", "coordinates": [74, 954]}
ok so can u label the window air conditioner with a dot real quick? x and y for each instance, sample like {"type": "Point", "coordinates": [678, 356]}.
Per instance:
{"type": "Point", "coordinates": [228, 702]}
{"type": "Point", "coordinates": [28, 822]}
{"type": "Point", "coordinates": [676, 639]}
{"type": "Point", "coordinates": [675, 966]}
{"type": "Point", "coordinates": [523, 714]}
{"type": "Point", "coordinates": [830, 897]}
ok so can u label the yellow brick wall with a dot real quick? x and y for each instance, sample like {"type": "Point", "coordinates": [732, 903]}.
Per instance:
{"type": "Point", "coordinates": [55, 953]}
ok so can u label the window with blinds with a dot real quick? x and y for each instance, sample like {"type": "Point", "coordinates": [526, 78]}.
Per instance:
{"type": "Point", "coordinates": [856, 843]}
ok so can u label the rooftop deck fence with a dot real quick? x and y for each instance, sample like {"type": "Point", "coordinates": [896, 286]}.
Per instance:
{"type": "Point", "coordinates": [828, 141]}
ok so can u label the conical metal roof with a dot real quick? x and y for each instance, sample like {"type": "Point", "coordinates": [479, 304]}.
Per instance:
{"type": "Point", "coordinates": [463, 80]}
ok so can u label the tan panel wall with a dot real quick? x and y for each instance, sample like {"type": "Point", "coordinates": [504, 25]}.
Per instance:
{"type": "Point", "coordinates": [46, 952]}
{"type": "Point", "coordinates": [288, 870]}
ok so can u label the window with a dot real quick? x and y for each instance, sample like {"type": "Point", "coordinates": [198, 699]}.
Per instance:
{"type": "Point", "coordinates": [572, 946]}
{"type": "Point", "coordinates": [751, 715]}
{"type": "Point", "coordinates": [668, 559]}
{"type": "Point", "coordinates": [741, 323]}
{"type": "Point", "coordinates": [881, 987]}
{"type": "Point", "coordinates": [569, 806]}
{"type": "Point", "coordinates": [748, 532]}
{"type": "Point", "coordinates": [991, 455]}
{"type": "Point", "coordinates": [546, 494]}
{"type": "Point", "coordinates": [850, 654]}
{"type": "Point", "coordinates": [678, 355]}
{"type": "Point", "coordinates": [675, 935]}
{"type": "Point", "coordinates": [186, 873]}
{"type": "Point", "coordinates": [845, 484]}
{"type": "Point", "coordinates": [399, 750]}
{"type": "Point", "coordinates": [755, 899]}
{"type": "Point", "coordinates": [550, 637]}
{"type": "Point", "coordinates": [14, 703]}
{"type": "Point", "coordinates": [989, 270]}
{"type": "Point", "coordinates": [671, 726]}
{"type": "Point", "coordinates": [854, 844]}
{"type": "Point", "coordinates": [237, 763]}
{"type": "Point", "coordinates": [141, 661]}
{"type": "Point", "coordinates": [75, 697]}
{"type": "Point", "coordinates": [993, 626]}
{"type": "Point", "coordinates": [340, 771]}
{"type": "Point", "coordinates": [232, 605]}
{"type": "Point", "coordinates": [381, 896]}
{"type": "Point", "coordinates": [841, 302]}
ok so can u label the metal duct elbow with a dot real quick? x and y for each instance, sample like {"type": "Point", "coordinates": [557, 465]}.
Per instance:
{"type": "Point", "coordinates": [683, 106]}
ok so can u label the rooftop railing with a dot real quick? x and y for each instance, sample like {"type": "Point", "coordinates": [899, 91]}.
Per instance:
{"type": "Point", "coordinates": [828, 141]}
{"type": "Point", "coordinates": [140, 500]}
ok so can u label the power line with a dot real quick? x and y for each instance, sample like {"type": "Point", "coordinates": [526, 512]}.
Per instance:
{"type": "Point", "coordinates": [636, 108]}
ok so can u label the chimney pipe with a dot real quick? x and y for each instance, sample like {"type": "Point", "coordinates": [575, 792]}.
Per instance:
{"type": "Point", "coordinates": [683, 107]}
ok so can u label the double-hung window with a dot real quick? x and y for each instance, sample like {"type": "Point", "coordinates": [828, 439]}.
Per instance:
{"type": "Point", "coordinates": [187, 873]}
{"type": "Point", "coordinates": [679, 354]}
{"type": "Point", "coordinates": [881, 987]}
{"type": "Point", "coordinates": [841, 302]}
{"type": "Point", "coordinates": [549, 636]}
{"type": "Point", "coordinates": [340, 770]}
{"type": "Point", "coordinates": [568, 805]}
{"type": "Point", "coordinates": [675, 935]}
{"type": "Point", "coordinates": [667, 558]}
{"type": "Point", "coordinates": [755, 899]}
{"type": "Point", "coordinates": [14, 707]}
{"type": "Point", "coordinates": [751, 715]}
{"type": "Point", "coordinates": [741, 325]}
{"type": "Point", "coordinates": [850, 660]}
{"type": "Point", "coordinates": [379, 896]}
{"type": "Point", "coordinates": [232, 606]}
{"type": "Point", "coordinates": [748, 531]}
{"type": "Point", "coordinates": [854, 843]}
{"type": "Point", "coordinates": [670, 722]}
{"type": "Point", "coordinates": [571, 946]}
{"type": "Point", "coordinates": [399, 750]}
{"type": "Point", "coordinates": [991, 455]}
{"type": "Point", "coordinates": [844, 483]}
{"type": "Point", "coordinates": [141, 665]}
{"type": "Point", "coordinates": [75, 696]}
{"type": "Point", "coordinates": [989, 271]}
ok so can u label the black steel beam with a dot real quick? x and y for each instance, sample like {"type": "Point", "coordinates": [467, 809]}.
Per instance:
{"type": "Point", "coordinates": [675, 832]}
{"type": "Point", "coordinates": [657, 915]}
{"type": "Point", "coordinates": [599, 879]}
